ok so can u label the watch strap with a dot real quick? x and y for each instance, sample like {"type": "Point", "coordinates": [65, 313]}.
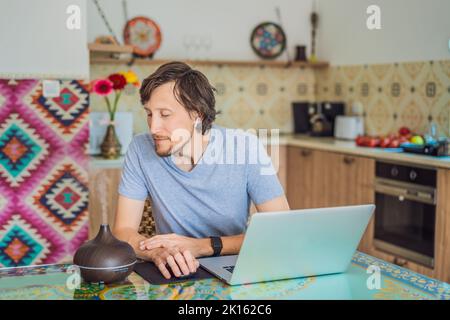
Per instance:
{"type": "Point", "coordinates": [216, 244]}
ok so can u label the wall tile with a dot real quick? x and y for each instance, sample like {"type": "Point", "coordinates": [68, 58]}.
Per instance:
{"type": "Point", "coordinates": [393, 95]}
{"type": "Point", "coordinates": [248, 97]}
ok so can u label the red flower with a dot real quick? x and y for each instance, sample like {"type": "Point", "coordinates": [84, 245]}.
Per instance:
{"type": "Point", "coordinates": [103, 87]}
{"type": "Point", "coordinates": [118, 80]}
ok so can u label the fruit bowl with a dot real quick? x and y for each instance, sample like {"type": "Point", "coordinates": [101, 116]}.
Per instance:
{"type": "Point", "coordinates": [437, 148]}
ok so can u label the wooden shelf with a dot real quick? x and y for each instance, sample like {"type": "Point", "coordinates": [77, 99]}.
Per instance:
{"type": "Point", "coordinates": [116, 54]}
{"type": "Point", "coordinates": [109, 48]}
{"type": "Point", "coordinates": [273, 64]}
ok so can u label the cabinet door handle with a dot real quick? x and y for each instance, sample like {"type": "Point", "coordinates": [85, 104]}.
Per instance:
{"type": "Point", "coordinates": [349, 160]}
{"type": "Point", "coordinates": [400, 262]}
{"type": "Point", "coordinates": [305, 153]}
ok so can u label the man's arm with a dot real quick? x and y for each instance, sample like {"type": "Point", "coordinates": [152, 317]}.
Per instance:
{"type": "Point", "coordinates": [202, 247]}
{"type": "Point", "coordinates": [126, 226]}
{"type": "Point", "coordinates": [232, 244]}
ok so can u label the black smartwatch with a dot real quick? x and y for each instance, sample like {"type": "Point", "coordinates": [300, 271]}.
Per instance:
{"type": "Point", "coordinates": [216, 244]}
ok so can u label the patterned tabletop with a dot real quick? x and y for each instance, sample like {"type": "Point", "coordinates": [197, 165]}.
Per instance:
{"type": "Point", "coordinates": [359, 282]}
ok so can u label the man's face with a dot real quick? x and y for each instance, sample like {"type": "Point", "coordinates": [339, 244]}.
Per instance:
{"type": "Point", "coordinates": [166, 119]}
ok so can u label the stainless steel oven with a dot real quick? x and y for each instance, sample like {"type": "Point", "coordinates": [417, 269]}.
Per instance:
{"type": "Point", "coordinates": [405, 214]}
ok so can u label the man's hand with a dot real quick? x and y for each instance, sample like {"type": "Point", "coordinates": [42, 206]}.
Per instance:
{"type": "Point", "coordinates": [179, 262]}
{"type": "Point", "coordinates": [198, 247]}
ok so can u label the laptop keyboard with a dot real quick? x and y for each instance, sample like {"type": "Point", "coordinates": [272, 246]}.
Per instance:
{"type": "Point", "coordinates": [229, 268]}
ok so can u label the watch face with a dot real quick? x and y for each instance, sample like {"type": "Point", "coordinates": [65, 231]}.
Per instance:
{"type": "Point", "coordinates": [216, 244]}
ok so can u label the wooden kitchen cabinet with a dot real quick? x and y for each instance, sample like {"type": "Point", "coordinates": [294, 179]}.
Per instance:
{"type": "Point", "coordinates": [302, 182]}
{"type": "Point", "coordinates": [442, 235]}
{"type": "Point", "coordinates": [278, 155]}
{"type": "Point", "coordinates": [324, 179]}
{"type": "Point", "coordinates": [318, 179]}
{"type": "Point", "coordinates": [279, 162]}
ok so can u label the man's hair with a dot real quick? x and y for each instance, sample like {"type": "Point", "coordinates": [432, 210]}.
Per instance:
{"type": "Point", "coordinates": [192, 90]}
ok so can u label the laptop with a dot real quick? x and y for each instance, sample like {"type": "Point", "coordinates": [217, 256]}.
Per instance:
{"type": "Point", "coordinates": [292, 244]}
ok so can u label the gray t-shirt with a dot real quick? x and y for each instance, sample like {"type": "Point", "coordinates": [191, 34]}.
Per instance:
{"type": "Point", "coordinates": [214, 198]}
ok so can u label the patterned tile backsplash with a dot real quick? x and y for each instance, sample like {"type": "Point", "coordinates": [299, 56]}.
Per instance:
{"type": "Point", "coordinates": [247, 97]}
{"type": "Point", "coordinates": [392, 95]}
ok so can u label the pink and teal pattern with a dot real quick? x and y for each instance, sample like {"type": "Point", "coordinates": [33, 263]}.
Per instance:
{"type": "Point", "coordinates": [43, 172]}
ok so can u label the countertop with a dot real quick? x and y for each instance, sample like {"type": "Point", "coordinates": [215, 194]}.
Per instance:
{"type": "Point", "coordinates": [325, 144]}
{"type": "Point", "coordinates": [51, 282]}
{"type": "Point", "coordinates": [350, 147]}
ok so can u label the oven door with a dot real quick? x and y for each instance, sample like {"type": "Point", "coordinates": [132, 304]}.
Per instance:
{"type": "Point", "coordinates": [405, 222]}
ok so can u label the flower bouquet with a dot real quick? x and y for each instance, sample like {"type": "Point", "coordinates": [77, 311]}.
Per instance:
{"type": "Point", "coordinates": [115, 84]}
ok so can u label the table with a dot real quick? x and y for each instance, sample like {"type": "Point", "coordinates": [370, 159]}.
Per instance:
{"type": "Point", "coordinates": [54, 282]}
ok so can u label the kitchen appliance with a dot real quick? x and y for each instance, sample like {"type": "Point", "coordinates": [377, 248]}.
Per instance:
{"type": "Point", "coordinates": [405, 215]}
{"type": "Point", "coordinates": [348, 127]}
{"type": "Point", "coordinates": [300, 111]}
{"type": "Point", "coordinates": [316, 119]}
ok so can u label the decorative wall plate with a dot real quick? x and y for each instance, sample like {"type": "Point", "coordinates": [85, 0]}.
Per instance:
{"type": "Point", "coordinates": [144, 35]}
{"type": "Point", "coordinates": [268, 40]}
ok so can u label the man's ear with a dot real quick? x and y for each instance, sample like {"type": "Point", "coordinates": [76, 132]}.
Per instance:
{"type": "Point", "coordinates": [194, 115]}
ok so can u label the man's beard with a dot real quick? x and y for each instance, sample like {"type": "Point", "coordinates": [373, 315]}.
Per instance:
{"type": "Point", "coordinates": [171, 148]}
{"type": "Point", "coordinates": [163, 152]}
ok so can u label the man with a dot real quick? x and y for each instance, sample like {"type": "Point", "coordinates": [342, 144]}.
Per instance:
{"type": "Point", "coordinates": [201, 208]}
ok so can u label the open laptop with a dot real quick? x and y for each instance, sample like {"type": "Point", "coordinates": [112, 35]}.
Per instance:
{"type": "Point", "coordinates": [291, 244]}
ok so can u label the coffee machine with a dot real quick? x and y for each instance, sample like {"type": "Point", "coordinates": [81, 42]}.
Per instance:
{"type": "Point", "coordinates": [316, 118]}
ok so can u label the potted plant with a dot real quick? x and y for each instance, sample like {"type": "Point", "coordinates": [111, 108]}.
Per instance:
{"type": "Point", "coordinates": [114, 84]}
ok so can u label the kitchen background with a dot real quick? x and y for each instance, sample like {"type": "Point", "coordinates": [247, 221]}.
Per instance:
{"type": "Point", "coordinates": [396, 86]}
{"type": "Point", "coordinates": [399, 75]}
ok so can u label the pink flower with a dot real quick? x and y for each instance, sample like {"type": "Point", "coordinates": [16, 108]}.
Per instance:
{"type": "Point", "coordinates": [103, 87]}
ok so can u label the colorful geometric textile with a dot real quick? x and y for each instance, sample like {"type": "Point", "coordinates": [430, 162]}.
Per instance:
{"type": "Point", "coordinates": [43, 172]}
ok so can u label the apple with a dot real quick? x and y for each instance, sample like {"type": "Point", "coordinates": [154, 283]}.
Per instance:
{"type": "Point", "coordinates": [403, 140]}
{"type": "Point", "coordinates": [392, 136]}
{"type": "Point", "coordinates": [359, 140]}
{"type": "Point", "coordinates": [417, 140]}
{"type": "Point", "coordinates": [362, 141]}
{"type": "Point", "coordinates": [394, 143]}
{"type": "Point", "coordinates": [403, 131]}
{"type": "Point", "coordinates": [384, 143]}
{"type": "Point", "coordinates": [373, 142]}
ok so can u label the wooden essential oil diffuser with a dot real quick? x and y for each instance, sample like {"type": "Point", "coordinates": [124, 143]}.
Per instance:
{"type": "Point", "coordinates": [105, 258]}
